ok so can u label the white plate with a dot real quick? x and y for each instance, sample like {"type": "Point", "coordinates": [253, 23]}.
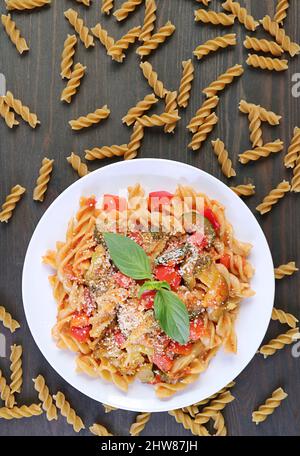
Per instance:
{"type": "Point", "coordinates": [153, 174]}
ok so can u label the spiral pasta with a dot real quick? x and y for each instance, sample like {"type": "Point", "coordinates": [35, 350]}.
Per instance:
{"type": "Point", "coordinates": [285, 270]}
{"type": "Point", "coordinates": [25, 4]}
{"type": "Point", "coordinates": [219, 42]}
{"type": "Point", "coordinates": [280, 342]}
{"type": "Point", "coordinates": [11, 201]}
{"type": "Point", "coordinates": [284, 317]}
{"type": "Point", "coordinates": [223, 80]}
{"type": "Point", "coordinates": [77, 165]}
{"type": "Point", "coordinates": [171, 108]}
{"type": "Point", "coordinates": [273, 197]}
{"type": "Point", "coordinates": [108, 408]}
{"type": "Point", "coordinates": [202, 113]}
{"type": "Point", "coordinates": [137, 427]}
{"type": "Point", "coordinates": [216, 405]}
{"type": "Point", "coordinates": [7, 114]}
{"type": "Point", "coordinates": [158, 120]}
{"type": "Point", "coordinates": [262, 45]}
{"type": "Point", "coordinates": [259, 152]}
{"type": "Point", "coordinates": [241, 13]}
{"type": "Point", "coordinates": [84, 2]}
{"type": "Point", "coordinates": [156, 39]}
{"type": "Point", "coordinates": [296, 177]}
{"type": "Point", "coordinates": [281, 11]}
{"type": "Point", "coordinates": [69, 413]}
{"type": "Point", "coordinates": [73, 83]}
{"type": "Point", "coordinates": [20, 412]}
{"type": "Point", "coordinates": [21, 109]}
{"type": "Point", "coordinates": [116, 50]}
{"type": "Point", "coordinates": [134, 142]}
{"type": "Point", "coordinates": [14, 33]}
{"type": "Point", "coordinates": [255, 127]}
{"type": "Point", "coordinates": [99, 32]}
{"type": "Point", "coordinates": [219, 425]}
{"type": "Point", "coordinates": [153, 80]}
{"type": "Point", "coordinates": [269, 406]}
{"type": "Point", "coordinates": [280, 36]}
{"type": "Point", "coordinates": [265, 116]}
{"type": "Point", "coordinates": [293, 151]}
{"type": "Point", "coordinates": [43, 179]}
{"type": "Point", "coordinates": [79, 27]}
{"type": "Point", "coordinates": [204, 2]}
{"type": "Point", "coordinates": [126, 8]}
{"type": "Point", "coordinates": [46, 398]}
{"type": "Point", "coordinates": [188, 423]}
{"type": "Point", "coordinates": [223, 158]}
{"type": "Point", "coordinates": [185, 86]}
{"type": "Point", "coordinates": [90, 119]}
{"type": "Point", "coordinates": [16, 369]}
{"type": "Point", "coordinates": [140, 108]}
{"type": "Point", "coordinates": [203, 131]}
{"type": "Point", "coordinates": [107, 6]}
{"type": "Point", "coordinates": [98, 153]}
{"type": "Point", "coordinates": [244, 189]}
{"type": "Point", "coordinates": [5, 393]}
{"type": "Point", "coordinates": [100, 430]}
{"type": "Point", "coordinates": [212, 17]}
{"type": "Point", "coordinates": [8, 321]}
{"type": "Point", "coordinates": [67, 56]}
{"type": "Point", "coordinates": [267, 63]}
{"type": "Point", "coordinates": [149, 20]}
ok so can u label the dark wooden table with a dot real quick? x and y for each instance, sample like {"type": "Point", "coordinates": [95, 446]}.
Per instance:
{"type": "Point", "coordinates": [35, 78]}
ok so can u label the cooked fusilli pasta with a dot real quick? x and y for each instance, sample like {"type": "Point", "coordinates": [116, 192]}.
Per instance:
{"type": "Point", "coordinates": [280, 36]}
{"type": "Point", "coordinates": [5, 393]}
{"type": "Point", "coordinates": [269, 406]}
{"type": "Point", "coordinates": [203, 131]}
{"type": "Point", "coordinates": [219, 42]}
{"type": "Point", "coordinates": [241, 13]}
{"type": "Point", "coordinates": [99, 32]}
{"type": "Point", "coordinates": [262, 45]}
{"type": "Point", "coordinates": [77, 165]}
{"type": "Point", "coordinates": [8, 321]}
{"type": "Point", "coordinates": [98, 153]}
{"type": "Point", "coordinates": [281, 11]}
{"type": "Point", "coordinates": [107, 6]}
{"type": "Point", "coordinates": [14, 33]}
{"type": "Point", "coordinates": [20, 412]}
{"type": "Point", "coordinates": [140, 108]}
{"type": "Point", "coordinates": [244, 189]}
{"type": "Point", "coordinates": [149, 20]}
{"type": "Point", "coordinates": [285, 270]}
{"type": "Point", "coordinates": [212, 17]}
{"type": "Point", "coordinates": [185, 86]}
{"type": "Point", "coordinates": [46, 398]}
{"type": "Point", "coordinates": [116, 50]}
{"type": "Point", "coordinates": [79, 27]}
{"type": "Point", "coordinates": [291, 336]}
{"type": "Point", "coordinates": [267, 63]}
{"type": "Point", "coordinates": [273, 197]}
{"type": "Point", "coordinates": [265, 116]}
{"type": "Point", "coordinates": [156, 39]}
{"type": "Point", "coordinates": [66, 411]}
{"type": "Point", "coordinates": [73, 83]}
{"type": "Point", "coordinates": [21, 110]}
{"type": "Point", "coordinates": [67, 56]}
{"type": "Point", "coordinates": [223, 80]}
{"type": "Point", "coordinates": [171, 108]}
{"type": "Point", "coordinates": [25, 4]}
{"type": "Point", "coordinates": [188, 423]}
{"type": "Point", "coordinates": [203, 112]}
{"type": "Point", "coordinates": [293, 151]}
{"type": "Point", "coordinates": [255, 127]}
{"type": "Point", "coordinates": [284, 317]}
{"type": "Point", "coordinates": [11, 201]}
{"type": "Point", "coordinates": [43, 179]}
{"type": "Point", "coordinates": [223, 158]}
{"type": "Point", "coordinates": [90, 119]}
{"type": "Point", "coordinates": [259, 152]}
{"type": "Point", "coordinates": [126, 8]}
{"type": "Point", "coordinates": [100, 430]}
{"type": "Point", "coordinates": [153, 80]}
{"type": "Point", "coordinates": [16, 369]}
{"type": "Point", "coordinates": [134, 142]}
{"type": "Point", "coordinates": [7, 114]}
{"type": "Point", "coordinates": [137, 427]}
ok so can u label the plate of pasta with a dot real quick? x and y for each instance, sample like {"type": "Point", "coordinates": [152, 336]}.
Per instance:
{"type": "Point", "coordinates": [156, 285]}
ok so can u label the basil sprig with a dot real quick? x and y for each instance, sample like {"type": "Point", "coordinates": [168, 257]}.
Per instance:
{"type": "Point", "coordinates": [169, 310]}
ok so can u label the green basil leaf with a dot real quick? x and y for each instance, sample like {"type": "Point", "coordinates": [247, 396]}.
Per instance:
{"type": "Point", "coordinates": [154, 285]}
{"type": "Point", "coordinates": [172, 315]}
{"type": "Point", "coordinates": [128, 256]}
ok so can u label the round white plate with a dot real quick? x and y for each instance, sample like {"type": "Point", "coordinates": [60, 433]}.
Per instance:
{"type": "Point", "coordinates": [153, 174]}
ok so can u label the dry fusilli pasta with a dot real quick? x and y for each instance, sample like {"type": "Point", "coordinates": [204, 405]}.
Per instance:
{"type": "Point", "coordinates": [21, 110]}
{"type": "Point", "coordinates": [10, 202]}
{"type": "Point", "coordinates": [43, 179]}
{"type": "Point", "coordinates": [296, 177]}
{"type": "Point", "coordinates": [105, 152]}
{"type": "Point", "coordinates": [20, 412]}
{"type": "Point", "coordinates": [244, 189]}
{"type": "Point", "coordinates": [219, 42]}
{"type": "Point", "coordinates": [46, 398]}
{"type": "Point", "coordinates": [185, 86]}
{"type": "Point", "coordinates": [267, 63]}
{"type": "Point", "coordinates": [16, 368]}
{"type": "Point", "coordinates": [171, 107]}
{"type": "Point", "coordinates": [216, 405]}
{"type": "Point", "coordinates": [280, 36]}
{"type": "Point", "coordinates": [90, 119]}
{"type": "Point", "coordinates": [116, 50]}
{"type": "Point", "coordinates": [102, 35]}
{"type": "Point", "coordinates": [241, 13]}
{"type": "Point", "coordinates": [212, 17]}
{"type": "Point", "coordinates": [188, 423]}
{"type": "Point", "coordinates": [127, 7]}
{"type": "Point", "coordinates": [107, 6]}
{"type": "Point", "coordinates": [158, 120]}
{"type": "Point", "coordinates": [108, 408]}
{"type": "Point", "coordinates": [149, 20]}
{"type": "Point", "coordinates": [265, 116]}
{"type": "Point", "coordinates": [156, 39]}
{"type": "Point", "coordinates": [262, 45]}
{"type": "Point", "coordinates": [281, 10]}
{"type": "Point", "coordinates": [280, 342]}
{"type": "Point", "coordinates": [84, 2]}
{"type": "Point", "coordinates": [66, 411]}
{"type": "Point", "coordinates": [203, 112]}
{"type": "Point", "coordinates": [135, 142]}
{"type": "Point", "coordinates": [79, 27]}
{"type": "Point", "coordinates": [14, 33]}
{"type": "Point", "coordinates": [269, 406]}
{"type": "Point", "coordinates": [77, 165]}
{"type": "Point", "coordinates": [140, 108]}
{"type": "Point", "coordinates": [255, 127]}
{"type": "Point", "coordinates": [284, 317]}
{"type": "Point", "coordinates": [223, 158]}
{"type": "Point", "coordinates": [137, 427]}
{"type": "Point", "coordinates": [273, 197]}
{"type": "Point", "coordinates": [153, 80]}
{"type": "Point", "coordinates": [293, 150]}
{"type": "Point", "coordinates": [8, 321]}
{"type": "Point", "coordinates": [101, 431]}
{"type": "Point", "coordinates": [203, 131]}
{"type": "Point", "coordinates": [25, 4]}
{"type": "Point", "coordinates": [73, 83]}
{"type": "Point", "coordinates": [7, 114]}
{"type": "Point", "coordinates": [219, 425]}
{"type": "Point", "coordinates": [67, 56]}
{"type": "Point", "coordinates": [223, 80]}
{"type": "Point", "coordinates": [285, 270]}
{"type": "Point", "coordinates": [5, 393]}
{"type": "Point", "coordinates": [259, 152]}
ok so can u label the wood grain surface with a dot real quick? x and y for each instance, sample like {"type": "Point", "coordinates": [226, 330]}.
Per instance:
{"type": "Point", "coordinates": [35, 79]}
